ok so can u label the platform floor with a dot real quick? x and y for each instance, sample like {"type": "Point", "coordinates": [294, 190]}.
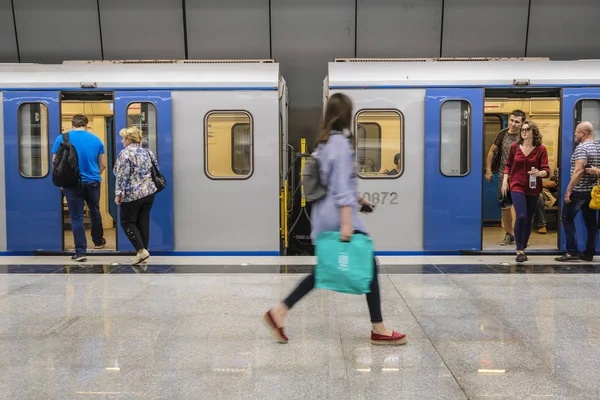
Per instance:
{"type": "Point", "coordinates": [96, 258]}
{"type": "Point", "coordinates": [478, 328]}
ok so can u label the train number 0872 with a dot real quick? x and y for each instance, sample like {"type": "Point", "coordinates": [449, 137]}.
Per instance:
{"type": "Point", "coordinates": [381, 197]}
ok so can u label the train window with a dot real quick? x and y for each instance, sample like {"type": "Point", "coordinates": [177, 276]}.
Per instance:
{"type": "Point", "coordinates": [143, 116]}
{"type": "Point", "coordinates": [229, 145]}
{"type": "Point", "coordinates": [588, 110]}
{"type": "Point", "coordinates": [455, 138]}
{"type": "Point", "coordinates": [33, 140]}
{"type": "Point", "coordinates": [379, 143]}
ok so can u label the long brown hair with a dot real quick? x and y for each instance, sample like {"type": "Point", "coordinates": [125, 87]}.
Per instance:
{"type": "Point", "coordinates": [537, 137]}
{"type": "Point", "coordinates": [338, 116]}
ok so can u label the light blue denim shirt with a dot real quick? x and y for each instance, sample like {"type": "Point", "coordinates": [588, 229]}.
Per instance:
{"type": "Point", "coordinates": [339, 175]}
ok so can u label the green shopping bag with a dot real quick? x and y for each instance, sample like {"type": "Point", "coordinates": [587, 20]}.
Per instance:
{"type": "Point", "coordinates": [345, 267]}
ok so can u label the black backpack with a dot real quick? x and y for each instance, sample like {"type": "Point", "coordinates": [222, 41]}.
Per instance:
{"type": "Point", "coordinates": [66, 165]}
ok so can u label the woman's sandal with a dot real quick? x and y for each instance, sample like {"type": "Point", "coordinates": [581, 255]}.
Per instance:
{"type": "Point", "coordinates": [276, 331]}
{"type": "Point", "coordinates": [394, 340]}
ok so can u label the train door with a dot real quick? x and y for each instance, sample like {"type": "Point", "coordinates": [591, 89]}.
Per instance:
{"type": "Point", "coordinates": [97, 107]}
{"type": "Point", "coordinates": [453, 167]}
{"type": "Point", "coordinates": [390, 168]}
{"type": "Point", "coordinates": [151, 112]}
{"type": "Point", "coordinates": [541, 106]}
{"type": "Point", "coordinates": [31, 122]}
{"type": "Point", "coordinates": [578, 104]}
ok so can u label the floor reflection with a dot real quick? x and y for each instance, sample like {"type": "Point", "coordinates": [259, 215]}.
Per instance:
{"type": "Point", "coordinates": [122, 331]}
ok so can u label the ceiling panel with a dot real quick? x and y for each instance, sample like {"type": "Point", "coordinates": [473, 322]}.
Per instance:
{"type": "Point", "coordinates": [8, 44]}
{"type": "Point", "coordinates": [57, 30]}
{"type": "Point", "coordinates": [227, 29]}
{"type": "Point", "coordinates": [399, 29]}
{"type": "Point", "coordinates": [564, 30]}
{"type": "Point", "coordinates": [142, 29]}
{"type": "Point", "coordinates": [484, 28]}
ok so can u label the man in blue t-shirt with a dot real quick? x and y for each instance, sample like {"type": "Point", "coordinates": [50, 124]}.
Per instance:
{"type": "Point", "coordinates": [92, 162]}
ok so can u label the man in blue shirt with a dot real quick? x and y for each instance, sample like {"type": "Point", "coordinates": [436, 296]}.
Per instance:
{"type": "Point", "coordinates": [92, 162]}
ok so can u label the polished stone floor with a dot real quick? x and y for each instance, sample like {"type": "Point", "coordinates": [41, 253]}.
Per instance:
{"type": "Point", "coordinates": [478, 330]}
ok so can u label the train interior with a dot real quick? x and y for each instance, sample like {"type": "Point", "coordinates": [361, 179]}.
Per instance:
{"type": "Point", "coordinates": [379, 140]}
{"type": "Point", "coordinates": [230, 141]}
{"type": "Point", "coordinates": [98, 108]}
{"type": "Point", "coordinates": [544, 109]}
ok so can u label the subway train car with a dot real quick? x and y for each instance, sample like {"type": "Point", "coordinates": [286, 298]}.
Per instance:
{"type": "Point", "coordinates": [423, 128]}
{"type": "Point", "coordinates": [214, 126]}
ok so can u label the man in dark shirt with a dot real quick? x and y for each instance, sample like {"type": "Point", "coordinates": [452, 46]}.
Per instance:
{"type": "Point", "coordinates": [504, 140]}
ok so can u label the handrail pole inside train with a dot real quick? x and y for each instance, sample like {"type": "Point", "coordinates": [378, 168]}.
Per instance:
{"type": "Point", "coordinates": [302, 151]}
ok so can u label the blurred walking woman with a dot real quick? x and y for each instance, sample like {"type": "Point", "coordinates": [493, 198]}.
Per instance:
{"type": "Point", "coordinates": [336, 211]}
{"type": "Point", "coordinates": [527, 164]}
{"type": "Point", "coordinates": [135, 190]}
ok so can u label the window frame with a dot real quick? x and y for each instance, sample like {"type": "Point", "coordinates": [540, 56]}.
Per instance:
{"type": "Point", "coordinates": [402, 138]}
{"type": "Point", "coordinates": [49, 157]}
{"type": "Point", "coordinates": [155, 112]}
{"type": "Point", "coordinates": [469, 138]}
{"type": "Point", "coordinates": [205, 145]}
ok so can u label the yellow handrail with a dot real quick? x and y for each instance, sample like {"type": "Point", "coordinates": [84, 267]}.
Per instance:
{"type": "Point", "coordinates": [285, 214]}
{"type": "Point", "coordinates": [282, 208]}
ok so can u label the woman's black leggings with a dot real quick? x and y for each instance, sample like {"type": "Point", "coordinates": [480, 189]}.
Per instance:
{"type": "Point", "coordinates": [373, 298]}
{"type": "Point", "coordinates": [135, 220]}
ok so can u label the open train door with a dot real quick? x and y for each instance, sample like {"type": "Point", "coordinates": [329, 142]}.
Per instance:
{"type": "Point", "coordinates": [578, 104]}
{"type": "Point", "coordinates": [151, 112]}
{"type": "Point", "coordinates": [453, 169]}
{"type": "Point", "coordinates": [33, 211]}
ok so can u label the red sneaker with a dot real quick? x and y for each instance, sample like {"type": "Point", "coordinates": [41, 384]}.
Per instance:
{"type": "Point", "coordinates": [276, 331]}
{"type": "Point", "coordinates": [394, 340]}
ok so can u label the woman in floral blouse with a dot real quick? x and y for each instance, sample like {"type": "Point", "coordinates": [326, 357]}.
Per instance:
{"type": "Point", "coordinates": [135, 190]}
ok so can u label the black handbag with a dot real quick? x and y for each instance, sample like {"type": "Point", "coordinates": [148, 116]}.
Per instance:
{"type": "Point", "coordinates": [159, 180]}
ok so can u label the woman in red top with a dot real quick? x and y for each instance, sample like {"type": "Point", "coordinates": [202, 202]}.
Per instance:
{"type": "Point", "coordinates": [527, 157]}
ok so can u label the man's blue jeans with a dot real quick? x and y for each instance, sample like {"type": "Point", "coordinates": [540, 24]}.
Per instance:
{"type": "Point", "coordinates": [90, 193]}
{"type": "Point", "coordinates": [580, 201]}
